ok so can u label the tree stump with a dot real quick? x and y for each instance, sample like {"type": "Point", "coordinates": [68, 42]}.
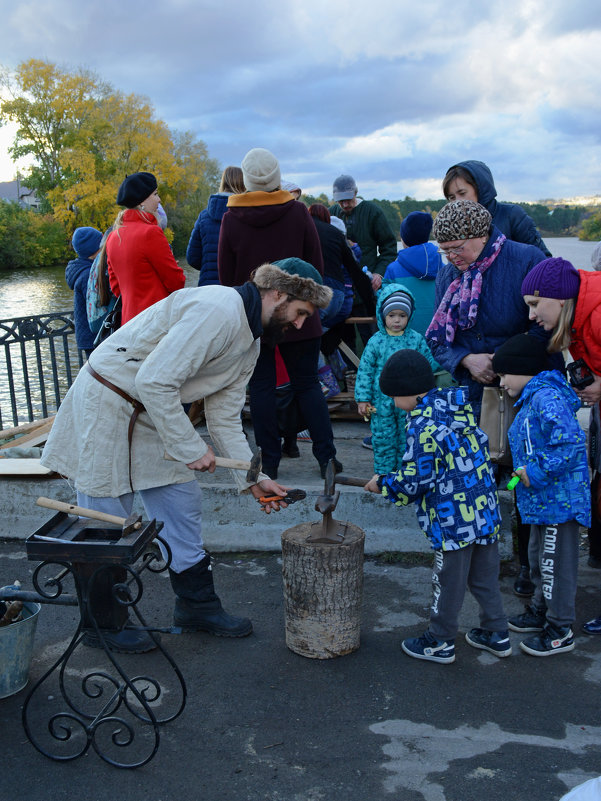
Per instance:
{"type": "Point", "coordinates": [323, 592]}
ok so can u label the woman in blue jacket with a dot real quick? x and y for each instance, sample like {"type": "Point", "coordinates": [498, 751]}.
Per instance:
{"type": "Point", "coordinates": [204, 240]}
{"type": "Point", "coordinates": [472, 180]}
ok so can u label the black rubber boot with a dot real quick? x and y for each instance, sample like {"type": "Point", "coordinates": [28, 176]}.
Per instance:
{"type": "Point", "coordinates": [110, 616]}
{"type": "Point", "coordinates": [198, 608]}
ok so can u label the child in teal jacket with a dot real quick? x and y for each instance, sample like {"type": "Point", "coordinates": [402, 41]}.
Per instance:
{"type": "Point", "coordinates": [394, 310]}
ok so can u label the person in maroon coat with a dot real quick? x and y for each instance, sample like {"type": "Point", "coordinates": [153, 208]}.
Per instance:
{"type": "Point", "coordinates": [266, 224]}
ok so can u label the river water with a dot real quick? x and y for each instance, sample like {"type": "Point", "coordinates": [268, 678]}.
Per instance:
{"type": "Point", "coordinates": [32, 292]}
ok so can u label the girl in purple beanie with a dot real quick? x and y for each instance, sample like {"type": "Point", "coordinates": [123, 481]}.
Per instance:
{"type": "Point", "coordinates": [567, 303]}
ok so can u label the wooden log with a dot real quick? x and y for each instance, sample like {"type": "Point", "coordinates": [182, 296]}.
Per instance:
{"type": "Point", "coordinates": [323, 592]}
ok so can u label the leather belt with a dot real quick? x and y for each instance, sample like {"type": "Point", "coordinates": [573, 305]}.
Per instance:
{"type": "Point", "coordinates": [138, 407]}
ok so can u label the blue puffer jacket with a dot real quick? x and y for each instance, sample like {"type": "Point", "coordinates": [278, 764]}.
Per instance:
{"type": "Point", "coordinates": [509, 218]}
{"type": "Point", "coordinates": [547, 440]}
{"type": "Point", "coordinates": [446, 471]}
{"type": "Point", "coordinates": [204, 239]}
{"type": "Point", "coordinates": [502, 312]}
{"type": "Point", "coordinates": [417, 267]}
{"type": "Point", "coordinates": [77, 273]}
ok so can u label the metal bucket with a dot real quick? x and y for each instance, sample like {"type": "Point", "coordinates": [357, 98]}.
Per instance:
{"type": "Point", "coordinates": [16, 650]}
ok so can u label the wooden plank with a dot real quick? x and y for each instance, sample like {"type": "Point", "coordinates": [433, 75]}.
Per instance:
{"type": "Point", "coordinates": [22, 467]}
{"type": "Point", "coordinates": [7, 433]}
{"type": "Point", "coordinates": [35, 437]}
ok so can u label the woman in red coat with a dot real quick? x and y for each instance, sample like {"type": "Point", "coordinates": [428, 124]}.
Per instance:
{"type": "Point", "coordinates": [142, 268]}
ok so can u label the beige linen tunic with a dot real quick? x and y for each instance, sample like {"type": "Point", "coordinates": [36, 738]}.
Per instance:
{"type": "Point", "coordinates": [194, 344]}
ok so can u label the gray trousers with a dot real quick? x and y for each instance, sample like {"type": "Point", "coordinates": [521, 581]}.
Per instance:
{"type": "Point", "coordinates": [475, 567]}
{"type": "Point", "coordinates": [553, 555]}
{"type": "Point", "coordinates": [178, 506]}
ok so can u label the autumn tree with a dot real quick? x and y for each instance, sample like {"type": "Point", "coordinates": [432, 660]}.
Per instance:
{"type": "Point", "coordinates": [85, 137]}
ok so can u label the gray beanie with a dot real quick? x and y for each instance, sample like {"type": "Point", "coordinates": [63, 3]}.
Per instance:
{"type": "Point", "coordinates": [596, 258]}
{"type": "Point", "coordinates": [398, 300]}
{"type": "Point", "coordinates": [261, 171]}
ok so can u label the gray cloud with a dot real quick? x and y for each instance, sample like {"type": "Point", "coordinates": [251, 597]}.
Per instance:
{"type": "Point", "coordinates": [394, 93]}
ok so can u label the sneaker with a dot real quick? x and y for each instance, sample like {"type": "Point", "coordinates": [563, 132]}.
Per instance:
{"type": "Point", "coordinates": [367, 443]}
{"type": "Point", "coordinates": [324, 466]}
{"type": "Point", "coordinates": [551, 640]}
{"type": "Point", "coordinates": [428, 647]}
{"type": "Point", "coordinates": [304, 436]}
{"type": "Point", "coordinates": [290, 449]}
{"type": "Point", "coordinates": [523, 586]}
{"type": "Point", "coordinates": [495, 642]}
{"type": "Point", "coordinates": [532, 619]}
{"type": "Point", "coordinates": [593, 626]}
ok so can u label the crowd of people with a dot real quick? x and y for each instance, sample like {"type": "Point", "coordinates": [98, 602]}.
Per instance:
{"type": "Point", "coordinates": [484, 304]}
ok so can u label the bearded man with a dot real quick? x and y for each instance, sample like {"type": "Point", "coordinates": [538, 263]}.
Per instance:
{"type": "Point", "coordinates": [196, 343]}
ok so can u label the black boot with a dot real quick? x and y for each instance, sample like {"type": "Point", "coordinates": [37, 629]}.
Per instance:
{"type": "Point", "coordinates": [198, 608]}
{"type": "Point", "coordinates": [523, 586]}
{"type": "Point", "coordinates": [96, 586]}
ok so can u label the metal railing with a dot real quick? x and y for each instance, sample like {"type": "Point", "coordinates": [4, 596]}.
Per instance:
{"type": "Point", "coordinates": [39, 361]}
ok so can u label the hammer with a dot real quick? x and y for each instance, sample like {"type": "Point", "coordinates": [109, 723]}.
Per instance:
{"type": "Point", "coordinates": [128, 524]}
{"type": "Point", "coordinates": [253, 467]}
{"type": "Point", "coordinates": [351, 481]}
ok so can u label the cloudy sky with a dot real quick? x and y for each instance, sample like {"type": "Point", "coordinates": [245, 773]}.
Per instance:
{"type": "Point", "coordinates": [392, 91]}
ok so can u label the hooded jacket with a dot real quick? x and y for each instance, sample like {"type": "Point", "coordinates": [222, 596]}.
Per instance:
{"type": "Point", "coordinates": [379, 349]}
{"type": "Point", "coordinates": [77, 273]}
{"type": "Point", "coordinates": [586, 328]}
{"type": "Point", "coordinates": [260, 228]}
{"type": "Point", "coordinates": [509, 218]}
{"type": "Point", "coordinates": [204, 239]}
{"type": "Point", "coordinates": [547, 440]}
{"type": "Point", "coordinates": [447, 472]}
{"type": "Point", "coordinates": [416, 268]}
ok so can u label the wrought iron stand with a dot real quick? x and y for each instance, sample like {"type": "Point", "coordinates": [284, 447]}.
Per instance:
{"type": "Point", "coordinates": [116, 712]}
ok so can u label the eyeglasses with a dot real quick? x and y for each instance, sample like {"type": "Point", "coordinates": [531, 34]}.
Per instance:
{"type": "Point", "coordinates": [455, 251]}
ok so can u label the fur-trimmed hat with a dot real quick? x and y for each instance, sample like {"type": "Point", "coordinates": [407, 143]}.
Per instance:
{"type": "Point", "coordinates": [296, 278]}
{"type": "Point", "coordinates": [136, 188]}
{"type": "Point", "coordinates": [407, 372]}
{"type": "Point", "coordinates": [261, 171]}
{"type": "Point", "coordinates": [461, 219]}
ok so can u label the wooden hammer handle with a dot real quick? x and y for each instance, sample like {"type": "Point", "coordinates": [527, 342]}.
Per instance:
{"type": "Point", "coordinates": [69, 508]}
{"type": "Point", "coordinates": [222, 461]}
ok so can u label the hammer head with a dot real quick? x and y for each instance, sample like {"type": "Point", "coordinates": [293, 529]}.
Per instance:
{"type": "Point", "coordinates": [255, 467]}
{"type": "Point", "coordinates": [131, 523]}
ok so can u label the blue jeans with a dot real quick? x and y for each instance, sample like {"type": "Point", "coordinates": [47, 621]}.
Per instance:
{"type": "Point", "coordinates": [300, 359]}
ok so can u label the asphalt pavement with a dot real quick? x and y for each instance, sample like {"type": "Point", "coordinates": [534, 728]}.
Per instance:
{"type": "Point", "coordinates": [262, 723]}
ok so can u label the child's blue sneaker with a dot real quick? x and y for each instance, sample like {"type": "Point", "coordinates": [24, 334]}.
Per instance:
{"type": "Point", "coordinates": [428, 647]}
{"type": "Point", "coordinates": [367, 443]}
{"type": "Point", "coordinates": [495, 642]}
{"type": "Point", "coordinates": [551, 640]}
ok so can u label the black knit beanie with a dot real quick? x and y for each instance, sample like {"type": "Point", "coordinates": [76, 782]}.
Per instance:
{"type": "Point", "coordinates": [136, 188]}
{"type": "Point", "coordinates": [523, 354]}
{"type": "Point", "coordinates": [405, 373]}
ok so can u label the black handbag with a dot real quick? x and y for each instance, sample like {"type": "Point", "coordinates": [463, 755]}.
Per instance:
{"type": "Point", "coordinates": [110, 324]}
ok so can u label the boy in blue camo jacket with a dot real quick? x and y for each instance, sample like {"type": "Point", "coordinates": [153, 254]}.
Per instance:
{"type": "Point", "coordinates": [446, 471]}
{"type": "Point", "coordinates": [548, 448]}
